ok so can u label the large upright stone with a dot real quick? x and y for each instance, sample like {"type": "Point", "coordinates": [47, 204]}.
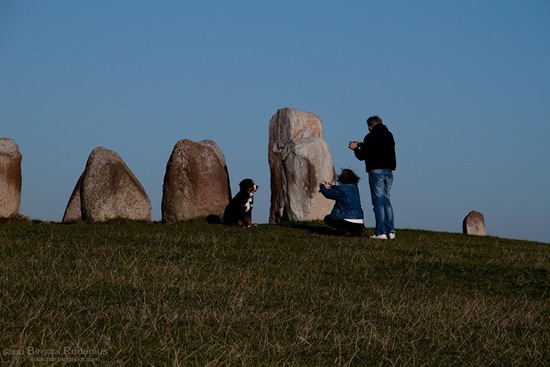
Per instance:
{"type": "Point", "coordinates": [73, 211]}
{"type": "Point", "coordinates": [299, 159]}
{"type": "Point", "coordinates": [196, 182]}
{"type": "Point", "coordinates": [10, 178]}
{"type": "Point", "coordinates": [108, 190]}
{"type": "Point", "coordinates": [474, 224]}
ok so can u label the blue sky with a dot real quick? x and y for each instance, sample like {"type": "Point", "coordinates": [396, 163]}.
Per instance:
{"type": "Point", "coordinates": [463, 85]}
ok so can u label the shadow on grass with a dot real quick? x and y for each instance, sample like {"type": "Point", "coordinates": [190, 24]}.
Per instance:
{"type": "Point", "coordinates": [316, 227]}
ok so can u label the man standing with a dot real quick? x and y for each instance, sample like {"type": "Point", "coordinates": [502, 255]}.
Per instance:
{"type": "Point", "coordinates": [378, 152]}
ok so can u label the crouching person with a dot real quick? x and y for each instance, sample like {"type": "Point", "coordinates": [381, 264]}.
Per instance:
{"type": "Point", "coordinates": [347, 214]}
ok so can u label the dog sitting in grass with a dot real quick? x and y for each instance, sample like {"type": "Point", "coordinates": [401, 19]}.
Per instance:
{"type": "Point", "coordinates": [239, 210]}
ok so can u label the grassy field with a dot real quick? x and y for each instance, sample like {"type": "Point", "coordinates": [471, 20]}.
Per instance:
{"type": "Point", "coordinates": [194, 294]}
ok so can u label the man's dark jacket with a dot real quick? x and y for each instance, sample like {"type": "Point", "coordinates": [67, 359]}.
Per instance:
{"type": "Point", "coordinates": [377, 149]}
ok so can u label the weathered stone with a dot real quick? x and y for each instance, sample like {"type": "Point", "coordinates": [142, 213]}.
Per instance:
{"type": "Point", "coordinates": [196, 182]}
{"type": "Point", "coordinates": [474, 224]}
{"type": "Point", "coordinates": [73, 212]}
{"type": "Point", "coordinates": [299, 159]}
{"type": "Point", "coordinates": [221, 156]}
{"type": "Point", "coordinates": [108, 190]}
{"type": "Point", "coordinates": [216, 148]}
{"type": "Point", "coordinates": [10, 178]}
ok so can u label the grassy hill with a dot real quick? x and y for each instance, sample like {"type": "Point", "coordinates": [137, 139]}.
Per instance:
{"type": "Point", "coordinates": [194, 294]}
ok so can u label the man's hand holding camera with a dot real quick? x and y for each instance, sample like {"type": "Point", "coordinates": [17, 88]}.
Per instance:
{"type": "Point", "coordinates": [353, 144]}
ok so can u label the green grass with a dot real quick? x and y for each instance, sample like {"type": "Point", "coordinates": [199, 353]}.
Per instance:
{"type": "Point", "coordinates": [193, 294]}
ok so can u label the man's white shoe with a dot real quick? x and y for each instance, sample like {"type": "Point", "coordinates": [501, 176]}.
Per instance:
{"type": "Point", "coordinates": [380, 236]}
{"type": "Point", "coordinates": [392, 236]}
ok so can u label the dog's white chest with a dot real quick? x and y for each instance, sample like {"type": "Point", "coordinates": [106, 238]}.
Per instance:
{"type": "Point", "coordinates": [249, 204]}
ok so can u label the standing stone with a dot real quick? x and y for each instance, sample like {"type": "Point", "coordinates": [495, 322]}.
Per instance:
{"type": "Point", "coordinates": [73, 212]}
{"type": "Point", "coordinates": [10, 178]}
{"type": "Point", "coordinates": [221, 156]}
{"type": "Point", "coordinates": [216, 149]}
{"type": "Point", "coordinates": [196, 182]}
{"type": "Point", "coordinates": [474, 224]}
{"type": "Point", "coordinates": [108, 190]}
{"type": "Point", "coordinates": [299, 159]}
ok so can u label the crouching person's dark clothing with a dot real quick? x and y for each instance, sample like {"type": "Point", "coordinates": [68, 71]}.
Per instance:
{"type": "Point", "coordinates": [347, 214]}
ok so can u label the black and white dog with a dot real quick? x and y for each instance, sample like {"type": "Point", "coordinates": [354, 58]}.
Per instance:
{"type": "Point", "coordinates": [239, 210]}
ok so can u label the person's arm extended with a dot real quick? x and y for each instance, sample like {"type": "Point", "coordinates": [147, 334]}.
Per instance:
{"type": "Point", "coordinates": [358, 150]}
{"type": "Point", "coordinates": [331, 192]}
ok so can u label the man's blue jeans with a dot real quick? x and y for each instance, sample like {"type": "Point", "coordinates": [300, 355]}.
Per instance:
{"type": "Point", "coordinates": [380, 181]}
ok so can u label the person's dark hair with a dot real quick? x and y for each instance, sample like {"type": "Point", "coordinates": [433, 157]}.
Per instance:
{"type": "Point", "coordinates": [347, 176]}
{"type": "Point", "coordinates": [374, 120]}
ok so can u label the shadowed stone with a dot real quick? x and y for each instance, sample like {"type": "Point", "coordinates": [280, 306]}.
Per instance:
{"type": "Point", "coordinates": [10, 178]}
{"type": "Point", "coordinates": [196, 182]}
{"type": "Point", "coordinates": [108, 190]}
{"type": "Point", "coordinates": [299, 159]}
{"type": "Point", "coordinates": [474, 224]}
{"type": "Point", "coordinates": [73, 212]}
